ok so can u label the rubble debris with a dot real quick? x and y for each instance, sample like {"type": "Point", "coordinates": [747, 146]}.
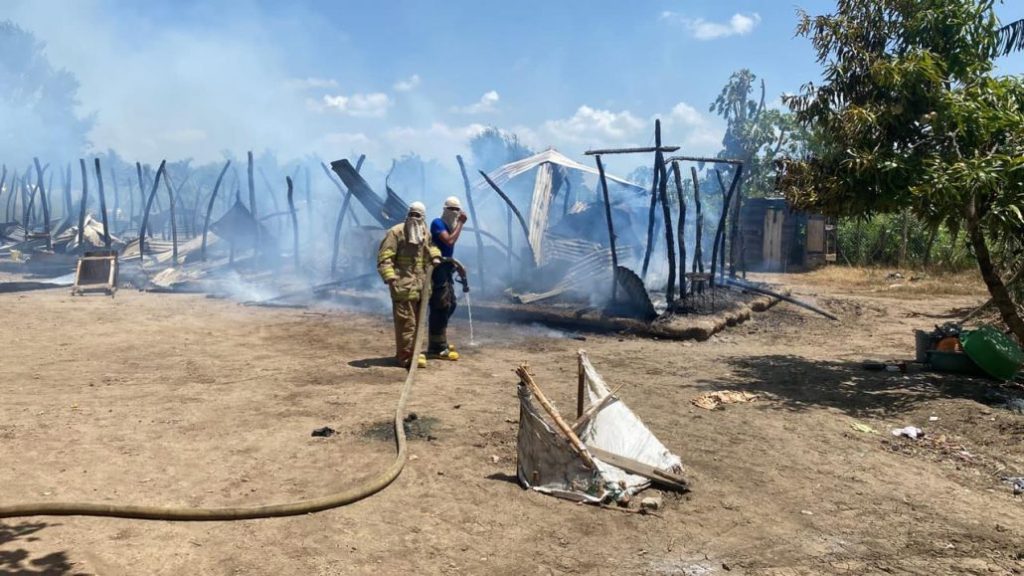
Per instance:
{"type": "Point", "coordinates": [718, 399]}
{"type": "Point", "coordinates": [626, 456]}
{"type": "Point", "coordinates": [911, 432]}
{"type": "Point", "coordinates": [325, 432]}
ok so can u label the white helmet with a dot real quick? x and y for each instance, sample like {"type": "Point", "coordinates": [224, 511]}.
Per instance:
{"type": "Point", "coordinates": [418, 208]}
{"type": "Point", "coordinates": [453, 202]}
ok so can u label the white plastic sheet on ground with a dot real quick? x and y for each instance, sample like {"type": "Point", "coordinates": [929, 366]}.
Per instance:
{"type": "Point", "coordinates": [548, 464]}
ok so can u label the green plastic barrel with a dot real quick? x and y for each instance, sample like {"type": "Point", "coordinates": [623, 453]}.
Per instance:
{"type": "Point", "coordinates": [993, 352]}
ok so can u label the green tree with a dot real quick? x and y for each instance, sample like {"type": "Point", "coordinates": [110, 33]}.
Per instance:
{"type": "Point", "coordinates": [755, 134]}
{"type": "Point", "coordinates": [37, 102]}
{"type": "Point", "coordinates": [910, 116]}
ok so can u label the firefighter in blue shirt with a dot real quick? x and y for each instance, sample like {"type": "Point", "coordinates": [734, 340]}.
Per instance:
{"type": "Point", "coordinates": [444, 233]}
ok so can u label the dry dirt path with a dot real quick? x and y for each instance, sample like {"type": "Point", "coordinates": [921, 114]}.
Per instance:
{"type": "Point", "coordinates": [185, 400]}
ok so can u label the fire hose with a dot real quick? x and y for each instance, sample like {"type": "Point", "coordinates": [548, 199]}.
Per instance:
{"type": "Point", "coordinates": [346, 496]}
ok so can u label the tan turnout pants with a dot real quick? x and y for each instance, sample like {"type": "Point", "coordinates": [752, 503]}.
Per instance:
{"type": "Point", "coordinates": [405, 313]}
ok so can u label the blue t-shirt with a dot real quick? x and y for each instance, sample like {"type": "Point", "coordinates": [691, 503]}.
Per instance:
{"type": "Point", "coordinates": [436, 227]}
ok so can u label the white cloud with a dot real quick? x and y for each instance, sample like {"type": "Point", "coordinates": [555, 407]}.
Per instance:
{"type": "Point", "coordinates": [590, 126]}
{"type": "Point", "coordinates": [311, 83]}
{"type": "Point", "coordinates": [374, 105]}
{"type": "Point", "coordinates": [408, 84]}
{"type": "Point", "coordinates": [694, 132]}
{"type": "Point", "coordinates": [487, 103]}
{"type": "Point", "coordinates": [701, 29]}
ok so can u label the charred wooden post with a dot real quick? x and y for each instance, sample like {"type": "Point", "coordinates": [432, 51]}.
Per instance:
{"type": "Point", "coordinates": [3, 180]}
{"type": "Point", "coordinates": [142, 194]}
{"type": "Point", "coordinates": [172, 200]}
{"type": "Point", "coordinates": [65, 184]}
{"type": "Point", "coordinates": [654, 201]}
{"type": "Point", "coordinates": [508, 235]}
{"type": "Point", "coordinates": [736, 227]}
{"type": "Point", "coordinates": [698, 254]}
{"type": "Point", "coordinates": [103, 204]}
{"type": "Point", "coordinates": [667, 216]}
{"type": "Point", "coordinates": [681, 229]}
{"type": "Point", "coordinates": [718, 251]}
{"type": "Point", "coordinates": [26, 212]}
{"type": "Point", "coordinates": [117, 192]}
{"type": "Point", "coordinates": [209, 207]}
{"type": "Point", "coordinates": [345, 208]}
{"type": "Point", "coordinates": [270, 189]}
{"type": "Point", "coordinates": [252, 188]}
{"type": "Point", "coordinates": [145, 212]}
{"type": "Point", "coordinates": [45, 204]}
{"type": "Point", "coordinates": [611, 228]}
{"type": "Point", "coordinates": [309, 199]}
{"type": "Point", "coordinates": [519, 216]}
{"type": "Point", "coordinates": [568, 192]}
{"type": "Point", "coordinates": [295, 222]}
{"type": "Point", "coordinates": [82, 204]}
{"type": "Point", "coordinates": [9, 206]}
{"type": "Point", "coordinates": [252, 202]}
{"type": "Point", "coordinates": [704, 159]}
{"type": "Point", "coordinates": [647, 150]}
{"type": "Point", "coordinates": [472, 214]}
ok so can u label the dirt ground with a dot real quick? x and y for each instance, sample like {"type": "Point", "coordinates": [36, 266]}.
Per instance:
{"type": "Point", "coordinates": [170, 399]}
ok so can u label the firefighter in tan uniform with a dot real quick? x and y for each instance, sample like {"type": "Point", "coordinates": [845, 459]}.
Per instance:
{"type": "Point", "coordinates": [402, 264]}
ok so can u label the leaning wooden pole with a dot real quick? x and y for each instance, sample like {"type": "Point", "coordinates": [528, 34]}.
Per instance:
{"type": "Point", "coordinates": [718, 251]}
{"type": "Point", "coordinates": [142, 192]}
{"type": "Point", "coordinates": [345, 208]}
{"type": "Point", "coordinates": [681, 228]}
{"type": "Point", "coordinates": [172, 200]}
{"type": "Point", "coordinates": [145, 212]}
{"type": "Point", "coordinates": [698, 254]}
{"type": "Point", "coordinates": [295, 222]}
{"type": "Point", "coordinates": [734, 236]}
{"type": "Point", "coordinates": [83, 203]}
{"type": "Point", "coordinates": [611, 229]}
{"type": "Point", "coordinates": [508, 201]}
{"type": "Point", "coordinates": [523, 371]}
{"type": "Point", "coordinates": [654, 201]}
{"type": "Point", "coordinates": [252, 202]}
{"type": "Point", "coordinates": [209, 207]}
{"type": "Point", "coordinates": [117, 193]}
{"type": "Point", "coordinates": [103, 205]}
{"type": "Point", "coordinates": [472, 214]}
{"type": "Point", "coordinates": [69, 206]}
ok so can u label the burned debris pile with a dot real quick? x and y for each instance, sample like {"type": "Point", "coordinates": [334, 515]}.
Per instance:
{"type": "Point", "coordinates": [552, 240]}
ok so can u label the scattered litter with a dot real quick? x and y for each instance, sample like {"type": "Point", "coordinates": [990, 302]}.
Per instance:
{"type": "Point", "coordinates": [933, 418]}
{"type": "Point", "coordinates": [911, 432]}
{"type": "Point", "coordinates": [860, 427]}
{"type": "Point", "coordinates": [325, 432]}
{"type": "Point", "coordinates": [495, 458]}
{"type": "Point", "coordinates": [1017, 482]}
{"type": "Point", "coordinates": [651, 503]}
{"type": "Point", "coordinates": [713, 400]}
{"type": "Point", "coordinates": [807, 513]}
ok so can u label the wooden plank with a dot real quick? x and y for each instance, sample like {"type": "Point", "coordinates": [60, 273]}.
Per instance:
{"type": "Point", "coordinates": [703, 159]}
{"type": "Point", "coordinates": [640, 150]}
{"type": "Point", "coordinates": [657, 475]}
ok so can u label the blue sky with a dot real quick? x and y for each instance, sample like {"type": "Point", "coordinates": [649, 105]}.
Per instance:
{"type": "Point", "coordinates": [191, 79]}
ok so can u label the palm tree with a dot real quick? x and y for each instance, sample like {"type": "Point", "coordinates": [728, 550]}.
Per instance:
{"type": "Point", "coordinates": [1011, 38]}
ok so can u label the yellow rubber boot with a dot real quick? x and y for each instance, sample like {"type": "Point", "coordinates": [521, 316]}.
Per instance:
{"type": "Point", "coordinates": [421, 361]}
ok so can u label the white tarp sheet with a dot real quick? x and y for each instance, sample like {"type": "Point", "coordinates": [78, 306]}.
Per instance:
{"type": "Point", "coordinates": [548, 464]}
